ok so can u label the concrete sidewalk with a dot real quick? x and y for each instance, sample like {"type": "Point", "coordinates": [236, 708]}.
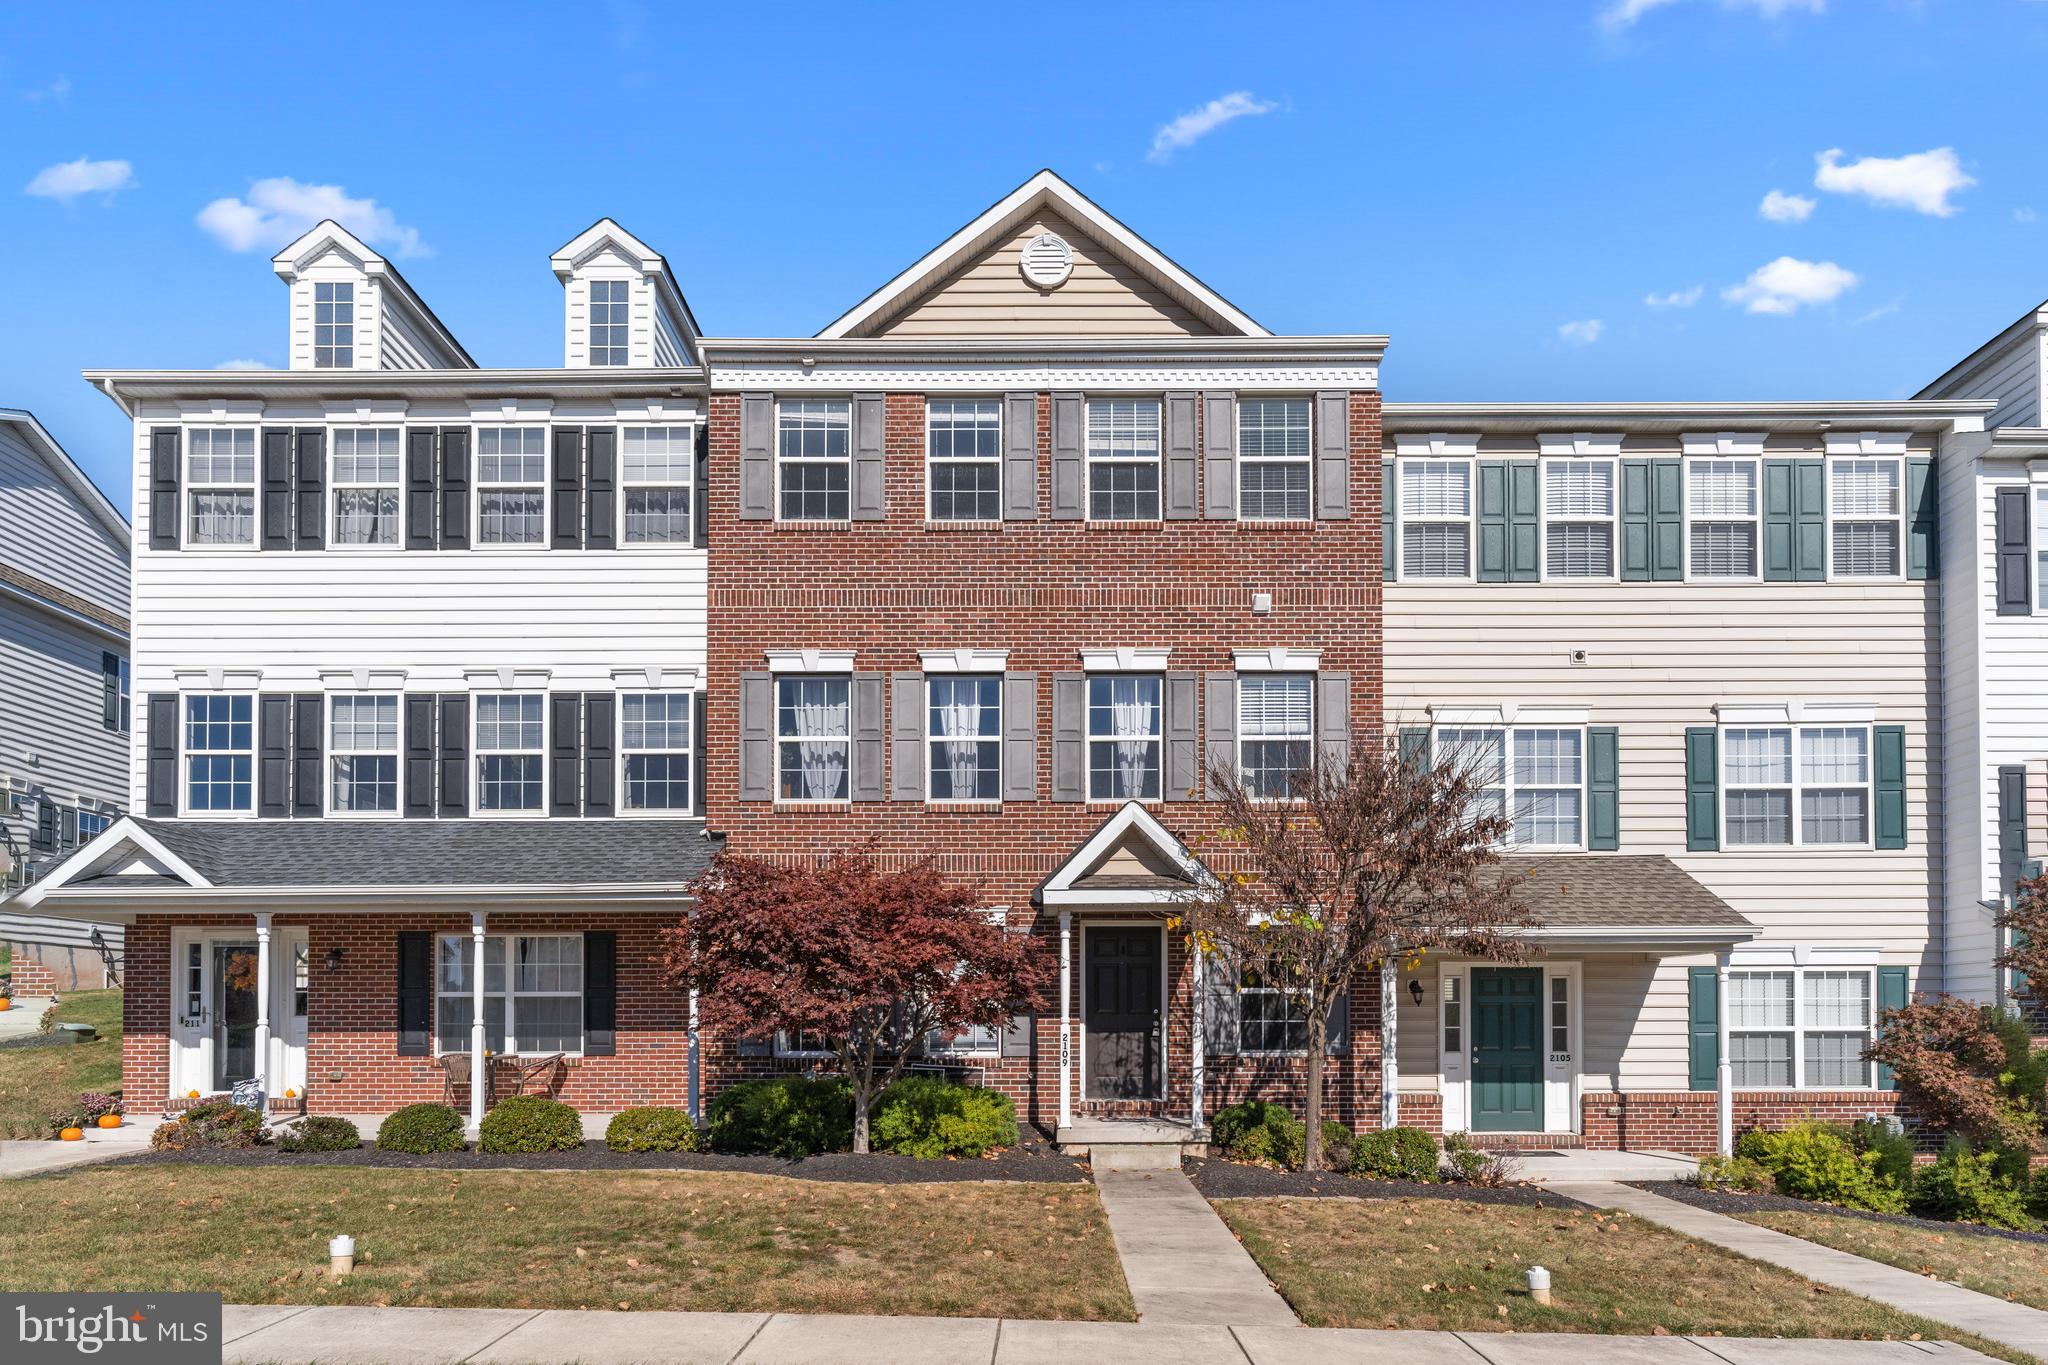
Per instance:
{"type": "Point", "coordinates": [2009, 1324]}
{"type": "Point", "coordinates": [429, 1336]}
{"type": "Point", "coordinates": [1184, 1266]}
{"type": "Point", "coordinates": [36, 1156]}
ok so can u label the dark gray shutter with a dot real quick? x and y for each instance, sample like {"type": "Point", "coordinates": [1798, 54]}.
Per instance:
{"type": "Point", "coordinates": [600, 486]}
{"type": "Point", "coordinates": [600, 771]}
{"type": "Point", "coordinates": [273, 756]}
{"type": "Point", "coordinates": [1017, 1035]}
{"type": "Point", "coordinates": [1069, 736]}
{"type": "Point", "coordinates": [161, 776]}
{"type": "Point", "coordinates": [1020, 457]}
{"type": "Point", "coordinates": [1923, 519]}
{"type": "Point", "coordinates": [454, 755]}
{"type": "Point", "coordinates": [1337, 1030]}
{"type": "Point", "coordinates": [1603, 788]}
{"type": "Point", "coordinates": [700, 744]}
{"type": "Point", "coordinates": [1891, 995]}
{"type": "Point", "coordinates": [565, 496]}
{"type": "Point", "coordinates": [419, 757]}
{"type": "Point", "coordinates": [415, 994]}
{"type": "Point", "coordinates": [868, 737]}
{"type": "Point", "coordinates": [276, 530]}
{"type": "Point", "coordinates": [309, 750]}
{"type": "Point", "coordinates": [870, 499]}
{"type": "Point", "coordinates": [762, 1046]}
{"type": "Point", "coordinates": [1704, 1025]}
{"type": "Point", "coordinates": [1181, 458]}
{"type": "Point", "coordinates": [906, 736]}
{"type": "Point", "coordinates": [164, 453]}
{"type": "Point", "coordinates": [455, 488]}
{"type": "Point", "coordinates": [1333, 455]}
{"type": "Point", "coordinates": [1333, 718]}
{"type": "Point", "coordinates": [757, 457]}
{"type": "Point", "coordinates": [757, 737]}
{"type": "Point", "coordinates": [700, 491]}
{"type": "Point", "coordinates": [2012, 539]}
{"type": "Point", "coordinates": [1413, 746]}
{"type": "Point", "coordinates": [1525, 548]}
{"type": "Point", "coordinates": [1492, 517]}
{"type": "Point", "coordinates": [2012, 826]}
{"type": "Point", "coordinates": [1390, 536]}
{"type": "Point", "coordinates": [1219, 456]}
{"type": "Point", "coordinates": [1219, 1007]}
{"type": "Point", "coordinates": [1652, 520]}
{"type": "Point", "coordinates": [1020, 737]}
{"type": "Point", "coordinates": [1795, 521]}
{"type": "Point", "coordinates": [1182, 768]}
{"type": "Point", "coordinates": [1219, 736]}
{"type": "Point", "coordinates": [1890, 771]}
{"type": "Point", "coordinates": [310, 488]}
{"type": "Point", "coordinates": [600, 992]}
{"type": "Point", "coordinates": [565, 753]}
{"type": "Point", "coordinates": [420, 493]}
{"type": "Point", "coordinates": [110, 690]}
{"type": "Point", "coordinates": [1702, 789]}
{"type": "Point", "coordinates": [1636, 521]}
{"type": "Point", "coordinates": [1069, 457]}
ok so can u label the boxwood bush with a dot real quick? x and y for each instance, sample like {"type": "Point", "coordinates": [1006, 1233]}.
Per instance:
{"type": "Point", "coordinates": [786, 1116]}
{"type": "Point", "coordinates": [928, 1117]}
{"type": "Point", "coordinates": [530, 1123]}
{"type": "Point", "coordinates": [1819, 1161]}
{"type": "Point", "coordinates": [656, 1128]}
{"type": "Point", "coordinates": [1967, 1186]}
{"type": "Point", "coordinates": [1395, 1154]}
{"type": "Point", "coordinates": [320, 1133]}
{"type": "Point", "coordinates": [421, 1129]}
{"type": "Point", "coordinates": [213, 1123]}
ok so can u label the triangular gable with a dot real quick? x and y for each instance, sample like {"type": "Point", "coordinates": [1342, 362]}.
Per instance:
{"type": "Point", "coordinates": [122, 850]}
{"type": "Point", "coordinates": [67, 469]}
{"type": "Point", "coordinates": [974, 283]}
{"type": "Point", "coordinates": [607, 236]}
{"type": "Point", "coordinates": [1130, 860]}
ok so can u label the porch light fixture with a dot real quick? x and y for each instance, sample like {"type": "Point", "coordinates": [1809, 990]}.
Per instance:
{"type": "Point", "coordinates": [1415, 989]}
{"type": "Point", "coordinates": [332, 962]}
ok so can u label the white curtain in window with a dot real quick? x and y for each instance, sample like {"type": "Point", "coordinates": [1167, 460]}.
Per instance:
{"type": "Point", "coordinates": [959, 723]}
{"type": "Point", "coordinates": [1136, 722]}
{"type": "Point", "coordinates": [821, 727]}
{"type": "Point", "coordinates": [1758, 758]}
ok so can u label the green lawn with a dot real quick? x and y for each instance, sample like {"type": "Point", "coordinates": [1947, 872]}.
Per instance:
{"type": "Point", "coordinates": [34, 1081]}
{"type": "Point", "coordinates": [713, 1241]}
{"type": "Point", "coordinates": [1998, 1266]}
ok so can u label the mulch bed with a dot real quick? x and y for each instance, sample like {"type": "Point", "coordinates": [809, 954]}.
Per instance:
{"type": "Point", "coordinates": [1220, 1179]}
{"type": "Point", "coordinates": [1736, 1202]}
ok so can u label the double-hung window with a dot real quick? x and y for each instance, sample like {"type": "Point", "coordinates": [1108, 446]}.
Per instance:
{"type": "Point", "coordinates": [813, 737]}
{"type": "Point", "coordinates": [334, 325]}
{"type": "Point", "coordinates": [1123, 459]}
{"type": "Point", "coordinates": [365, 477]}
{"type": "Point", "coordinates": [1124, 736]}
{"type": "Point", "coordinates": [966, 728]}
{"type": "Point", "coordinates": [1275, 727]}
{"type": "Point", "coordinates": [511, 486]}
{"type": "Point", "coordinates": [363, 754]}
{"type": "Point", "coordinates": [609, 306]}
{"type": "Point", "coordinates": [1722, 506]}
{"type": "Point", "coordinates": [1535, 774]}
{"type": "Point", "coordinates": [220, 753]}
{"type": "Point", "coordinates": [1270, 1016]}
{"type": "Point", "coordinates": [656, 475]}
{"type": "Point", "coordinates": [654, 742]}
{"type": "Point", "coordinates": [2041, 549]}
{"type": "Point", "coordinates": [963, 459]}
{"type": "Point", "coordinates": [510, 752]}
{"type": "Point", "coordinates": [220, 486]}
{"type": "Point", "coordinates": [532, 1004]}
{"type": "Point", "coordinates": [1819, 795]}
{"type": "Point", "coordinates": [1273, 459]}
{"type": "Point", "coordinates": [1866, 516]}
{"type": "Point", "coordinates": [814, 458]}
{"type": "Point", "coordinates": [1801, 1027]}
{"type": "Point", "coordinates": [1436, 518]}
{"type": "Point", "coordinates": [1578, 518]}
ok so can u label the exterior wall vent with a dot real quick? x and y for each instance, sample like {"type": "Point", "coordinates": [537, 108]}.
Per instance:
{"type": "Point", "coordinates": [1046, 261]}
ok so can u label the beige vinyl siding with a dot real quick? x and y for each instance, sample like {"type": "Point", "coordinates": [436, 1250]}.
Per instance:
{"type": "Point", "coordinates": [989, 298]}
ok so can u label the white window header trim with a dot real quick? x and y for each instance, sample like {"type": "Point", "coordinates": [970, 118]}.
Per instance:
{"type": "Point", "coordinates": [1866, 442]}
{"type": "Point", "coordinates": [1722, 443]}
{"type": "Point", "coordinates": [1754, 955]}
{"type": "Point", "coordinates": [1509, 714]}
{"type": "Point", "coordinates": [963, 660]}
{"type": "Point", "coordinates": [218, 679]}
{"type": "Point", "coordinates": [1436, 443]}
{"type": "Point", "coordinates": [507, 679]}
{"type": "Point", "coordinates": [1278, 659]}
{"type": "Point", "coordinates": [656, 678]}
{"type": "Point", "coordinates": [1586, 443]}
{"type": "Point", "coordinates": [810, 660]}
{"type": "Point", "coordinates": [1797, 713]}
{"type": "Point", "coordinates": [1124, 659]}
{"type": "Point", "coordinates": [363, 679]}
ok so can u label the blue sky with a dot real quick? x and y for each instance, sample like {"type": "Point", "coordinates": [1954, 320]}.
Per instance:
{"type": "Point", "coordinates": [1504, 188]}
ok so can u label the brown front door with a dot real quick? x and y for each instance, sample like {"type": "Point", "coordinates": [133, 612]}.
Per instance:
{"type": "Point", "coordinates": [1122, 971]}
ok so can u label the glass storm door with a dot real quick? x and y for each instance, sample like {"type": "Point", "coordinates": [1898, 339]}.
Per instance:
{"type": "Point", "coordinates": [234, 1014]}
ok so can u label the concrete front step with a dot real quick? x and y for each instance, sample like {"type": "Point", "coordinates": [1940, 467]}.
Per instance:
{"type": "Point", "coordinates": [1132, 1143]}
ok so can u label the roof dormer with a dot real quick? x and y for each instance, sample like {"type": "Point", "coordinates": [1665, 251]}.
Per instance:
{"type": "Point", "coordinates": [352, 310]}
{"type": "Point", "coordinates": [621, 303]}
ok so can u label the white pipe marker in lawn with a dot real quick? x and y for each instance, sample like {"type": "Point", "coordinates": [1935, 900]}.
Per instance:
{"type": "Point", "coordinates": [1539, 1284]}
{"type": "Point", "coordinates": [341, 1255]}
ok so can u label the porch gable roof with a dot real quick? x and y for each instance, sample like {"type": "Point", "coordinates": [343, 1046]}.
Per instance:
{"type": "Point", "coordinates": [1623, 900]}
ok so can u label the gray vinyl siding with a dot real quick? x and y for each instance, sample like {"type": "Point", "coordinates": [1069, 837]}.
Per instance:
{"type": "Point", "coordinates": [2011, 376]}
{"type": "Point", "coordinates": [46, 532]}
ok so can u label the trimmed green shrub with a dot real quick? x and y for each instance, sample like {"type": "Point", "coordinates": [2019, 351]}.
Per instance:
{"type": "Point", "coordinates": [1816, 1161]}
{"type": "Point", "coordinates": [214, 1123]}
{"type": "Point", "coordinates": [928, 1117]}
{"type": "Point", "coordinates": [530, 1123]}
{"type": "Point", "coordinates": [1743, 1173]}
{"type": "Point", "coordinates": [1966, 1187]}
{"type": "Point", "coordinates": [787, 1116]}
{"type": "Point", "coordinates": [1395, 1154]}
{"type": "Point", "coordinates": [1337, 1143]}
{"type": "Point", "coordinates": [2037, 1195]}
{"type": "Point", "coordinates": [653, 1129]}
{"type": "Point", "coordinates": [320, 1133]}
{"type": "Point", "coordinates": [1259, 1130]}
{"type": "Point", "coordinates": [1894, 1150]}
{"type": "Point", "coordinates": [421, 1129]}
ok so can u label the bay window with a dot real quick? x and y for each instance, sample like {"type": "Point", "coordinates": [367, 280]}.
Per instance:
{"type": "Point", "coordinates": [1722, 506]}
{"type": "Point", "coordinates": [1801, 1027]}
{"type": "Point", "coordinates": [655, 478]}
{"type": "Point", "coordinates": [363, 753]}
{"type": "Point", "coordinates": [510, 757]}
{"type": "Point", "coordinates": [963, 459]}
{"type": "Point", "coordinates": [364, 463]}
{"type": "Point", "coordinates": [1536, 775]}
{"type": "Point", "coordinates": [220, 486]}
{"type": "Point", "coordinates": [511, 486]}
{"type": "Point", "coordinates": [1578, 518]}
{"type": "Point", "coordinates": [814, 459]}
{"type": "Point", "coordinates": [1273, 459]}
{"type": "Point", "coordinates": [1822, 798]}
{"type": "Point", "coordinates": [533, 993]}
{"type": "Point", "coordinates": [813, 738]}
{"type": "Point", "coordinates": [1124, 736]}
{"type": "Point", "coordinates": [1866, 516]}
{"type": "Point", "coordinates": [654, 746]}
{"type": "Point", "coordinates": [965, 729]}
{"type": "Point", "coordinates": [1123, 460]}
{"type": "Point", "coordinates": [1275, 727]}
{"type": "Point", "coordinates": [220, 754]}
{"type": "Point", "coordinates": [1436, 518]}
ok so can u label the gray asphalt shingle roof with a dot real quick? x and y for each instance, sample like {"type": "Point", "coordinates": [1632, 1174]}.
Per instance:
{"type": "Point", "coordinates": [1605, 890]}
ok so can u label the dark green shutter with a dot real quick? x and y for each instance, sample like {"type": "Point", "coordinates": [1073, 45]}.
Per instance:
{"type": "Point", "coordinates": [1891, 995]}
{"type": "Point", "coordinates": [2012, 826]}
{"type": "Point", "coordinates": [415, 994]}
{"type": "Point", "coordinates": [1415, 744]}
{"type": "Point", "coordinates": [1891, 786]}
{"type": "Point", "coordinates": [1635, 521]}
{"type": "Point", "coordinates": [1603, 782]}
{"type": "Point", "coordinates": [1704, 1022]}
{"type": "Point", "coordinates": [1389, 541]}
{"type": "Point", "coordinates": [1795, 521]}
{"type": "Point", "coordinates": [1667, 525]}
{"type": "Point", "coordinates": [1493, 521]}
{"type": "Point", "coordinates": [600, 992]}
{"type": "Point", "coordinates": [1923, 502]}
{"type": "Point", "coordinates": [1525, 528]}
{"type": "Point", "coordinates": [1702, 790]}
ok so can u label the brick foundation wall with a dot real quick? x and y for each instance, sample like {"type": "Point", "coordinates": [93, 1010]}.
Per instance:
{"type": "Point", "coordinates": [1684, 1120]}
{"type": "Point", "coordinates": [29, 974]}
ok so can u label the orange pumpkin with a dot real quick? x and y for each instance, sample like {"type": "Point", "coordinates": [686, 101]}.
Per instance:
{"type": "Point", "coordinates": [110, 1120]}
{"type": "Point", "coordinates": [72, 1134]}
{"type": "Point", "coordinates": [291, 1094]}
{"type": "Point", "coordinates": [191, 1094]}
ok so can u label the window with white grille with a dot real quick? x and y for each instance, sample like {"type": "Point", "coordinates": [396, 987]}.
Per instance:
{"type": "Point", "coordinates": [1275, 725]}
{"type": "Point", "coordinates": [1723, 506]}
{"type": "Point", "coordinates": [1124, 736]}
{"type": "Point", "coordinates": [509, 757]}
{"type": "Point", "coordinates": [1436, 518]}
{"type": "Point", "coordinates": [1803, 1029]}
{"type": "Point", "coordinates": [334, 325]}
{"type": "Point", "coordinates": [363, 754]}
{"type": "Point", "coordinates": [364, 465]}
{"type": "Point", "coordinates": [1818, 797]}
{"type": "Point", "coordinates": [1273, 459]}
{"type": "Point", "coordinates": [1578, 518]}
{"type": "Point", "coordinates": [1123, 460]}
{"type": "Point", "coordinates": [511, 486]}
{"type": "Point", "coordinates": [814, 458]}
{"type": "Point", "coordinates": [965, 729]}
{"type": "Point", "coordinates": [654, 744]}
{"type": "Point", "coordinates": [1866, 505]}
{"type": "Point", "coordinates": [2041, 549]}
{"type": "Point", "coordinates": [220, 485]}
{"type": "Point", "coordinates": [655, 478]}
{"type": "Point", "coordinates": [1536, 774]}
{"type": "Point", "coordinates": [963, 458]}
{"type": "Point", "coordinates": [609, 308]}
{"type": "Point", "coordinates": [535, 1007]}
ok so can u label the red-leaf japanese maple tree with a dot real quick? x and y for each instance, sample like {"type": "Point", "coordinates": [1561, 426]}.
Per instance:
{"type": "Point", "coordinates": [871, 960]}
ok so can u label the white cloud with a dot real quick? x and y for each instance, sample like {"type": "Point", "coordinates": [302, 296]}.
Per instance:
{"type": "Point", "coordinates": [281, 208]}
{"type": "Point", "coordinates": [1883, 310]}
{"type": "Point", "coordinates": [2025, 215]}
{"type": "Point", "coordinates": [1196, 124]}
{"type": "Point", "coordinates": [66, 180]}
{"type": "Point", "coordinates": [1780, 207]}
{"type": "Point", "coordinates": [1677, 298]}
{"type": "Point", "coordinates": [241, 365]}
{"type": "Point", "coordinates": [1582, 333]}
{"type": "Point", "coordinates": [1922, 181]}
{"type": "Point", "coordinates": [1621, 14]}
{"type": "Point", "coordinates": [57, 91]}
{"type": "Point", "coordinates": [1788, 284]}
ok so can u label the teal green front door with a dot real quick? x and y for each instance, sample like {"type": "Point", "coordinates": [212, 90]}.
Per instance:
{"type": "Point", "coordinates": [1507, 1055]}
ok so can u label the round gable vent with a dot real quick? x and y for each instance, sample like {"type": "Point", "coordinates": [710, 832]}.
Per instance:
{"type": "Point", "coordinates": [1046, 260]}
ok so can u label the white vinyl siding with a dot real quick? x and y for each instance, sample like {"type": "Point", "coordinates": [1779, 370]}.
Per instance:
{"type": "Point", "coordinates": [1273, 457]}
{"type": "Point", "coordinates": [1724, 507]}
{"type": "Point", "coordinates": [1123, 460]}
{"type": "Point", "coordinates": [814, 459]}
{"type": "Point", "coordinates": [963, 459]}
{"type": "Point", "coordinates": [1578, 518]}
{"type": "Point", "coordinates": [1436, 518]}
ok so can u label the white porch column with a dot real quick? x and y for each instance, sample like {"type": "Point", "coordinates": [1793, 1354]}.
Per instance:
{"type": "Point", "coordinates": [262, 1071]}
{"type": "Point", "coordinates": [1198, 1063]}
{"type": "Point", "coordinates": [1390, 1066]}
{"type": "Point", "coordinates": [1066, 1019]}
{"type": "Point", "coordinates": [696, 1082]}
{"type": "Point", "coordinates": [1724, 1072]}
{"type": "Point", "coordinates": [478, 1063]}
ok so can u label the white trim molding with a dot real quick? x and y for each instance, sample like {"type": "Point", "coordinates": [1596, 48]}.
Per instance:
{"type": "Point", "coordinates": [1509, 713]}
{"type": "Point", "coordinates": [507, 679]}
{"type": "Point", "coordinates": [963, 660]}
{"type": "Point", "coordinates": [1125, 659]}
{"type": "Point", "coordinates": [363, 679]}
{"type": "Point", "coordinates": [1797, 713]}
{"type": "Point", "coordinates": [1277, 659]}
{"type": "Point", "coordinates": [217, 679]}
{"type": "Point", "coordinates": [1585, 444]}
{"type": "Point", "coordinates": [809, 660]}
{"type": "Point", "coordinates": [1728, 443]}
{"type": "Point", "coordinates": [1437, 444]}
{"type": "Point", "coordinates": [1058, 889]}
{"type": "Point", "coordinates": [1865, 442]}
{"type": "Point", "coordinates": [656, 678]}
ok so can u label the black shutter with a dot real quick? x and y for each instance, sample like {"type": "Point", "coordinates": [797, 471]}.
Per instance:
{"type": "Point", "coordinates": [311, 490]}
{"type": "Point", "coordinates": [110, 690]}
{"type": "Point", "coordinates": [565, 768]}
{"type": "Point", "coordinates": [455, 488]}
{"type": "Point", "coordinates": [277, 489]}
{"type": "Point", "coordinates": [419, 757]}
{"type": "Point", "coordinates": [415, 994]}
{"type": "Point", "coordinates": [700, 490]}
{"type": "Point", "coordinates": [454, 755]}
{"type": "Point", "coordinates": [161, 786]}
{"type": "Point", "coordinates": [600, 993]}
{"type": "Point", "coordinates": [2014, 599]}
{"type": "Point", "coordinates": [420, 492]}
{"type": "Point", "coordinates": [567, 497]}
{"type": "Point", "coordinates": [600, 776]}
{"type": "Point", "coordinates": [308, 714]}
{"type": "Point", "coordinates": [44, 840]}
{"type": "Point", "coordinates": [699, 743]}
{"type": "Point", "coordinates": [601, 485]}
{"type": "Point", "coordinates": [164, 447]}
{"type": "Point", "coordinates": [273, 756]}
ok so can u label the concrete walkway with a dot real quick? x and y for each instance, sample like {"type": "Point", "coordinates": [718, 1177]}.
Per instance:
{"type": "Point", "coordinates": [428, 1336]}
{"type": "Point", "coordinates": [20, 1017]}
{"type": "Point", "coordinates": [2009, 1324]}
{"type": "Point", "coordinates": [1184, 1267]}
{"type": "Point", "coordinates": [35, 1156]}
